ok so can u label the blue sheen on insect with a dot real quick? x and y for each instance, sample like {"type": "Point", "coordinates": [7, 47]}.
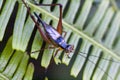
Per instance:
{"type": "Point", "coordinates": [61, 42]}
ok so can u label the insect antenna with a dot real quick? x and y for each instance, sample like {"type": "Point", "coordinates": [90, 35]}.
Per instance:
{"type": "Point", "coordinates": [111, 60]}
{"type": "Point", "coordinates": [97, 66]}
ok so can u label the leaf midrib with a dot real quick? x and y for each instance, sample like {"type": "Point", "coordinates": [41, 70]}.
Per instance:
{"type": "Point", "coordinates": [80, 33]}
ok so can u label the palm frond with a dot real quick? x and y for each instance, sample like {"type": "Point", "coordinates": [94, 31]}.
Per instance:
{"type": "Point", "coordinates": [92, 27]}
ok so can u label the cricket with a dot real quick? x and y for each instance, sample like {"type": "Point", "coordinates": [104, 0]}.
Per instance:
{"type": "Point", "coordinates": [51, 35]}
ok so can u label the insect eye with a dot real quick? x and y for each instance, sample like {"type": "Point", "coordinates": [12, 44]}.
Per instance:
{"type": "Point", "coordinates": [70, 48]}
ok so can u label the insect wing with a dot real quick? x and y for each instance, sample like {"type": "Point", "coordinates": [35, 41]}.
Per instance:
{"type": "Point", "coordinates": [52, 32]}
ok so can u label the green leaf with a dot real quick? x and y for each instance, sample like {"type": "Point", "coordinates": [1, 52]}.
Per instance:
{"type": "Point", "coordinates": [13, 64]}
{"type": "Point", "coordinates": [92, 27]}
{"type": "Point", "coordinates": [29, 72]}
{"type": "Point", "coordinates": [4, 16]}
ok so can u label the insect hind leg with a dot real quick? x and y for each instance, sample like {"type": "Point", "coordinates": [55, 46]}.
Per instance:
{"type": "Point", "coordinates": [59, 26]}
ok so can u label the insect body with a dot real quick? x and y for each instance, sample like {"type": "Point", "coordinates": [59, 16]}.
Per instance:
{"type": "Point", "coordinates": [51, 35]}
{"type": "Point", "coordinates": [55, 38]}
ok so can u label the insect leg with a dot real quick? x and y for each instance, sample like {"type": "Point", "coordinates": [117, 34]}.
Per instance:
{"type": "Point", "coordinates": [44, 49]}
{"type": "Point", "coordinates": [59, 26]}
{"type": "Point", "coordinates": [64, 34]}
{"type": "Point", "coordinates": [56, 52]}
{"type": "Point", "coordinates": [37, 24]}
